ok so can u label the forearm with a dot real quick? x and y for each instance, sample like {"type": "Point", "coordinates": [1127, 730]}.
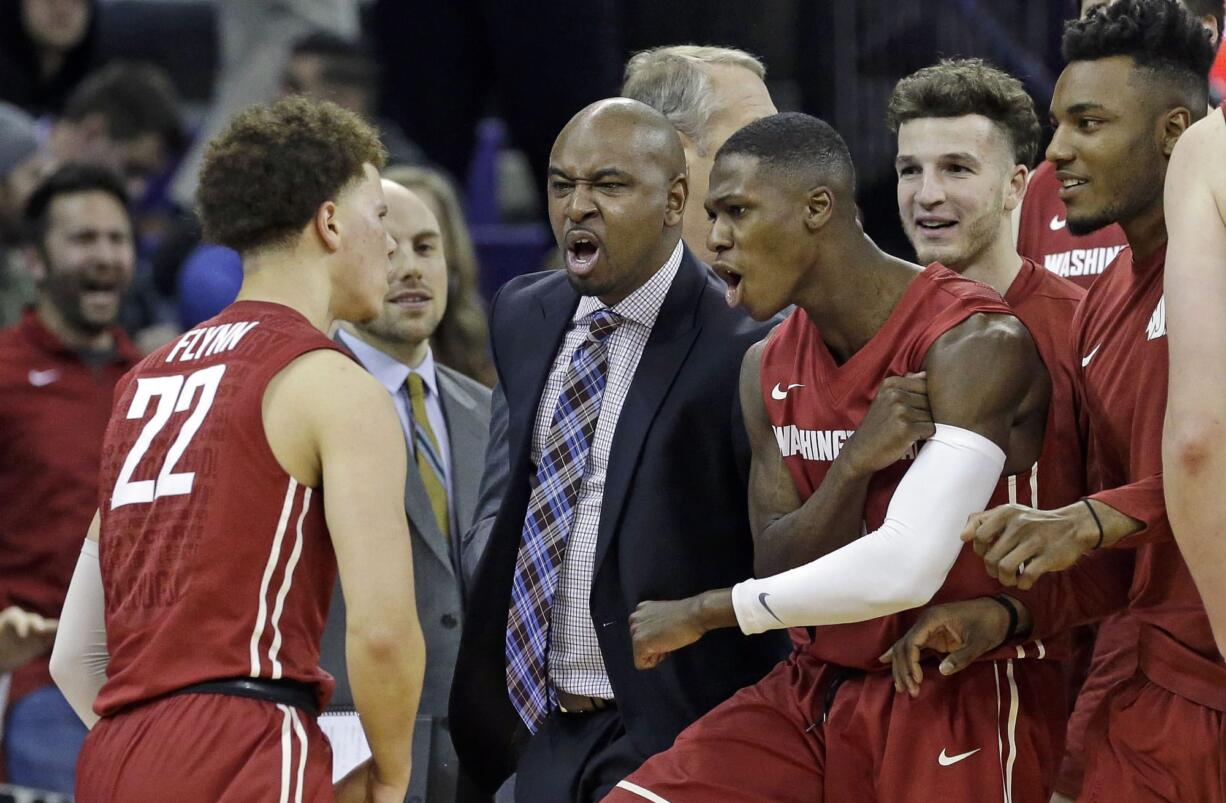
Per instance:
{"type": "Point", "coordinates": [898, 566]}
{"type": "Point", "coordinates": [385, 673]}
{"type": "Point", "coordinates": [829, 519]}
{"type": "Point", "coordinates": [1193, 481]}
{"type": "Point", "coordinates": [1131, 515]}
{"type": "Point", "coordinates": [79, 659]}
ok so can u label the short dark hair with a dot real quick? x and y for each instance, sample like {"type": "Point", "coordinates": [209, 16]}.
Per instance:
{"type": "Point", "coordinates": [794, 143]}
{"type": "Point", "coordinates": [264, 177]}
{"type": "Point", "coordinates": [72, 178]}
{"type": "Point", "coordinates": [958, 87]}
{"type": "Point", "coordinates": [1160, 36]}
{"type": "Point", "coordinates": [134, 99]}
{"type": "Point", "coordinates": [347, 61]}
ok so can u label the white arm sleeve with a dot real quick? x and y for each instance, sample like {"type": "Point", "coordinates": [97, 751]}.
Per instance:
{"type": "Point", "coordinates": [899, 566]}
{"type": "Point", "coordinates": [79, 658]}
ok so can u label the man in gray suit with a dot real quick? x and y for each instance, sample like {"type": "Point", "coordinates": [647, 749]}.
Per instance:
{"type": "Point", "coordinates": [445, 417]}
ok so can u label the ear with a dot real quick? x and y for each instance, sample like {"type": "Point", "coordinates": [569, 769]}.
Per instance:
{"type": "Point", "coordinates": [327, 225]}
{"type": "Point", "coordinates": [35, 265]}
{"type": "Point", "coordinates": [1210, 23]}
{"type": "Point", "coordinates": [819, 208]}
{"type": "Point", "coordinates": [678, 193]}
{"type": "Point", "coordinates": [1174, 123]}
{"type": "Point", "coordinates": [1017, 187]}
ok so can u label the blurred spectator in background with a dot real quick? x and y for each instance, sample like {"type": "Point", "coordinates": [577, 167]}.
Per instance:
{"type": "Point", "coordinates": [446, 64]}
{"type": "Point", "coordinates": [325, 66]}
{"type": "Point", "coordinates": [19, 171]}
{"type": "Point", "coordinates": [46, 48]}
{"type": "Point", "coordinates": [460, 341]}
{"type": "Point", "coordinates": [58, 369]}
{"type": "Point", "coordinates": [707, 93]}
{"type": "Point", "coordinates": [256, 37]}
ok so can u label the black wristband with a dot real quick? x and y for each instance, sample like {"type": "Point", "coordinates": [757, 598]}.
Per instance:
{"type": "Point", "coordinates": [1096, 521]}
{"type": "Point", "coordinates": [1007, 604]}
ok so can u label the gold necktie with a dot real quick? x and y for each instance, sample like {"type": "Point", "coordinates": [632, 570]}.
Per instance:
{"type": "Point", "coordinates": [426, 449]}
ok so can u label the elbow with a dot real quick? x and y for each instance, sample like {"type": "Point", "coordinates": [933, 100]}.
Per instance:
{"type": "Point", "coordinates": [907, 593]}
{"type": "Point", "coordinates": [59, 666]}
{"type": "Point", "coordinates": [388, 644]}
{"type": "Point", "coordinates": [1189, 445]}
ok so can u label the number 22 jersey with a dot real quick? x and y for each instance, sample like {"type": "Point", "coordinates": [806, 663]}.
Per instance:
{"type": "Point", "coordinates": [215, 562]}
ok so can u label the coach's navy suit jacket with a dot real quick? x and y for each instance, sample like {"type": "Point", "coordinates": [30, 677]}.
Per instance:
{"type": "Point", "coordinates": [674, 520]}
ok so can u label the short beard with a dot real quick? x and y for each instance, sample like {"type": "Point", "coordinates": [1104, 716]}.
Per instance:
{"type": "Point", "coordinates": [1141, 192]}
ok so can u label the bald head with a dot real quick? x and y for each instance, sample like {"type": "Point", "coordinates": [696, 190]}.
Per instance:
{"type": "Point", "coordinates": [628, 122]}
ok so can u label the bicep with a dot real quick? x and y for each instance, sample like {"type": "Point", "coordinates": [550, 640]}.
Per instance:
{"type": "Point", "coordinates": [772, 493]}
{"type": "Point", "coordinates": [980, 373]}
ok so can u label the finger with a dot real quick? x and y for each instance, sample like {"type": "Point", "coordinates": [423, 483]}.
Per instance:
{"type": "Point", "coordinates": [913, 675]}
{"type": "Point", "coordinates": [983, 529]}
{"type": "Point", "coordinates": [1010, 549]}
{"type": "Point", "coordinates": [959, 659]}
{"type": "Point", "coordinates": [1032, 570]}
{"type": "Point", "coordinates": [911, 383]}
{"type": "Point", "coordinates": [1018, 559]}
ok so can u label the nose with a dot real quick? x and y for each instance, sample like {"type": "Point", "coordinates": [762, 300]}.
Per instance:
{"type": "Point", "coordinates": [390, 244]}
{"type": "Point", "coordinates": [719, 238]}
{"type": "Point", "coordinates": [1059, 151]}
{"type": "Point", "coordinates": [931, 191]}
{"type": "Point", "coordinates": [579, 206]}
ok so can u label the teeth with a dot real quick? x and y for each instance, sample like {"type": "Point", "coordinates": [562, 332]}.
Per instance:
{"type": "Point", "coordinates": [1071, 182]}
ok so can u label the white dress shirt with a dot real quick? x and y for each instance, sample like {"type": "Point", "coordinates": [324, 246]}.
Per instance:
{"type": "Point", "coordinates": [393, 374]}
{"type": "Point", "coordinates": [575, 663]}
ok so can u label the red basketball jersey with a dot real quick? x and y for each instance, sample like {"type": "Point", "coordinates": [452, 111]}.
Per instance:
{"type": "Point", "coordinates": [1043, 234]}
{"type": "Point", "coordinates": [814, 405]}
{"type": "Point", "coordinates": [1045, 303]}
{"type": "Point", "coordinates": [215, 562]}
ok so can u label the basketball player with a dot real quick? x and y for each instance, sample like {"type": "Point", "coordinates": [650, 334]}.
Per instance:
{"type": "Point", "coordinates": [1193, 469]}
{"type": "Point", "coordinates": [827, 724]}
{"type": "Point", "coordinates": [1134, 83]}
{"type": "Point", "coordinates": [239, 459]}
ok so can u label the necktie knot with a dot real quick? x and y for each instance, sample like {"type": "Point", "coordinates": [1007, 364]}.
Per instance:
{"type": "Point", "coordinates": [604, 322]}
{"type": "Point", "coordinates": [417, 387]}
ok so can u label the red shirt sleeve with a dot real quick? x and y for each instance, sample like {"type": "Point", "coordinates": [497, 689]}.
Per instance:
{"type": "Point", "coordinates": [1142, 500]}
{"type": "Point", "coordinates": [1092, 589]}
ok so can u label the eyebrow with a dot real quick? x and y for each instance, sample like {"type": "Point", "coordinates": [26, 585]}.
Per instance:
{"type": "Point", "coordinates": [1087, 106]}
{"type": "Point", "coordinates": [602, 173]}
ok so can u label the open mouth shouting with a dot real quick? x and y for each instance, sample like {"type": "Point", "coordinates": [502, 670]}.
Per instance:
{"type": "Point", "coordinates": [582, 252]}
{"type": "Point", "coordinates": [734, 280]}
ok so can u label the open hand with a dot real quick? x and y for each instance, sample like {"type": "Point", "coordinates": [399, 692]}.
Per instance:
{"type": "Point", "coordinates": [658, 628]}
{"type": "Point", "coordinates": [1019, 544]}
{"type": "Point", "coordinates": [962, 631]}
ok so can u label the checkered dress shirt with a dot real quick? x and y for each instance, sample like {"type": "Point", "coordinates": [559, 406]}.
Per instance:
{"type": "Point", "coordinates": [575, 663]}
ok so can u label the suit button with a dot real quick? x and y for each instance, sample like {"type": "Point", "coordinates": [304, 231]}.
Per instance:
{"type": "Point", "coordinates": [449, 621]}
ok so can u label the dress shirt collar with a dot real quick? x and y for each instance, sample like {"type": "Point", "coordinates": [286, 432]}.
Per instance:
{"type": "Point", "coordinates": [643, 305]}
{"type": "Point", "coordinates": [390, 372]}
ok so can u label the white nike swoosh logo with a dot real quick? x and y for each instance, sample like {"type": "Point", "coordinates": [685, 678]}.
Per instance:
{"type": "Point", "coordinates": [1058, 223]}
{"type": "Point", "coordinates": [1085, 361]}
{"type": "Point", "coordinates": [779, 394]}
{"type": "Point", "coordinates": [41, 378]}
{"type": "Point", "coordinates": [946, 761]}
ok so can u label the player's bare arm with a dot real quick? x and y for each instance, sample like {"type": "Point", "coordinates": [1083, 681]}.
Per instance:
{"type": "Point", "coordinates": [987, 425]}
{"type": "Point", "coordinates": [1194, 437]}
{"type": "Point", "coordinates": [351, 444]}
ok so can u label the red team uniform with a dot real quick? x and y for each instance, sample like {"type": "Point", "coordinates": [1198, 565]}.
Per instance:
{"type": "Point", "coordinates": [1170, 713]}
{"type": "Point", "coordinates": [1043, 233]}
{"type": "Point", "coordinates": [827, 724]}
{"type": "Point", "coordinates": [217, 565]}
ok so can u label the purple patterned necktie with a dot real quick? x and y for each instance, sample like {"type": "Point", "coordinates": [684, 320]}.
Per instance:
{"type": "Point", "coordinates": [551, 511]}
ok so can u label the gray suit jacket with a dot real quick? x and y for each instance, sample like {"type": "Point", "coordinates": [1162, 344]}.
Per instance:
{"type": "Point", "coordinates": [440, 590]}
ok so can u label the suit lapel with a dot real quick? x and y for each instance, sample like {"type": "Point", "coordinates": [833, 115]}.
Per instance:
{"type": "Point", "coordinates": [467, 432]}
{"type": "Point", "coordinates": [672, 336]}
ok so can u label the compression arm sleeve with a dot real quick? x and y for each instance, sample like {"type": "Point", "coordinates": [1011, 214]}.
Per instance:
{"type": "Point", "coordinates": [79, 658]}
{"type": "Point", "coordinates": [899, 566]}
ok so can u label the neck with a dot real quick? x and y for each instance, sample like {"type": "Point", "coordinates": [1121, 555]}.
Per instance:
{"type": "Point", "coordinates": [1146, 232]}
{"type": "Point", "coordinates": [288, 278]}
{"type": "Point", "coordinates": [996, 266]}
{"type": "Point", "coordinates": [407, 352]}
{"type": "Point", "coordinates": [72, 336]}
{"type": "Point", "coordinates": [853, 289]}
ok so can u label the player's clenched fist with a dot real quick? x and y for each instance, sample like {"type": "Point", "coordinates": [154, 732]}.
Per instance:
{"type": "Point", "coordinates": [898, 418]}
{"type": "Point", "coordinates": [658, 628]}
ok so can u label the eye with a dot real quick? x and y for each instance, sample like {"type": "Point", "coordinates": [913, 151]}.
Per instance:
{"type": "Point", "coordinates": [610, 186]}
{"type": "Point", "coordinates": [560, 187]}
{"type": "Point", "coordinates": [958, 169]}
{"type": "Point", "coordinates": [908, 170]}
{"type": "Point", "coordinates": [425, 249]}
{"type": "Point", "coordinates": [710, 216]}
{"type": "Point", "coordinates": [737, 211]}
{"type": "Point", "coordinates": [1089, 123]}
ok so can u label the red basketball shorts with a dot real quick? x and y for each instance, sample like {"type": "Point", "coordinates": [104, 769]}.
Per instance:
{"type": "Point", "coordinates": [1146, 745]}
{"type": "Point", "coordinates": [206, 748]}
{"type": "Point", "coordinates": [993, 732]}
